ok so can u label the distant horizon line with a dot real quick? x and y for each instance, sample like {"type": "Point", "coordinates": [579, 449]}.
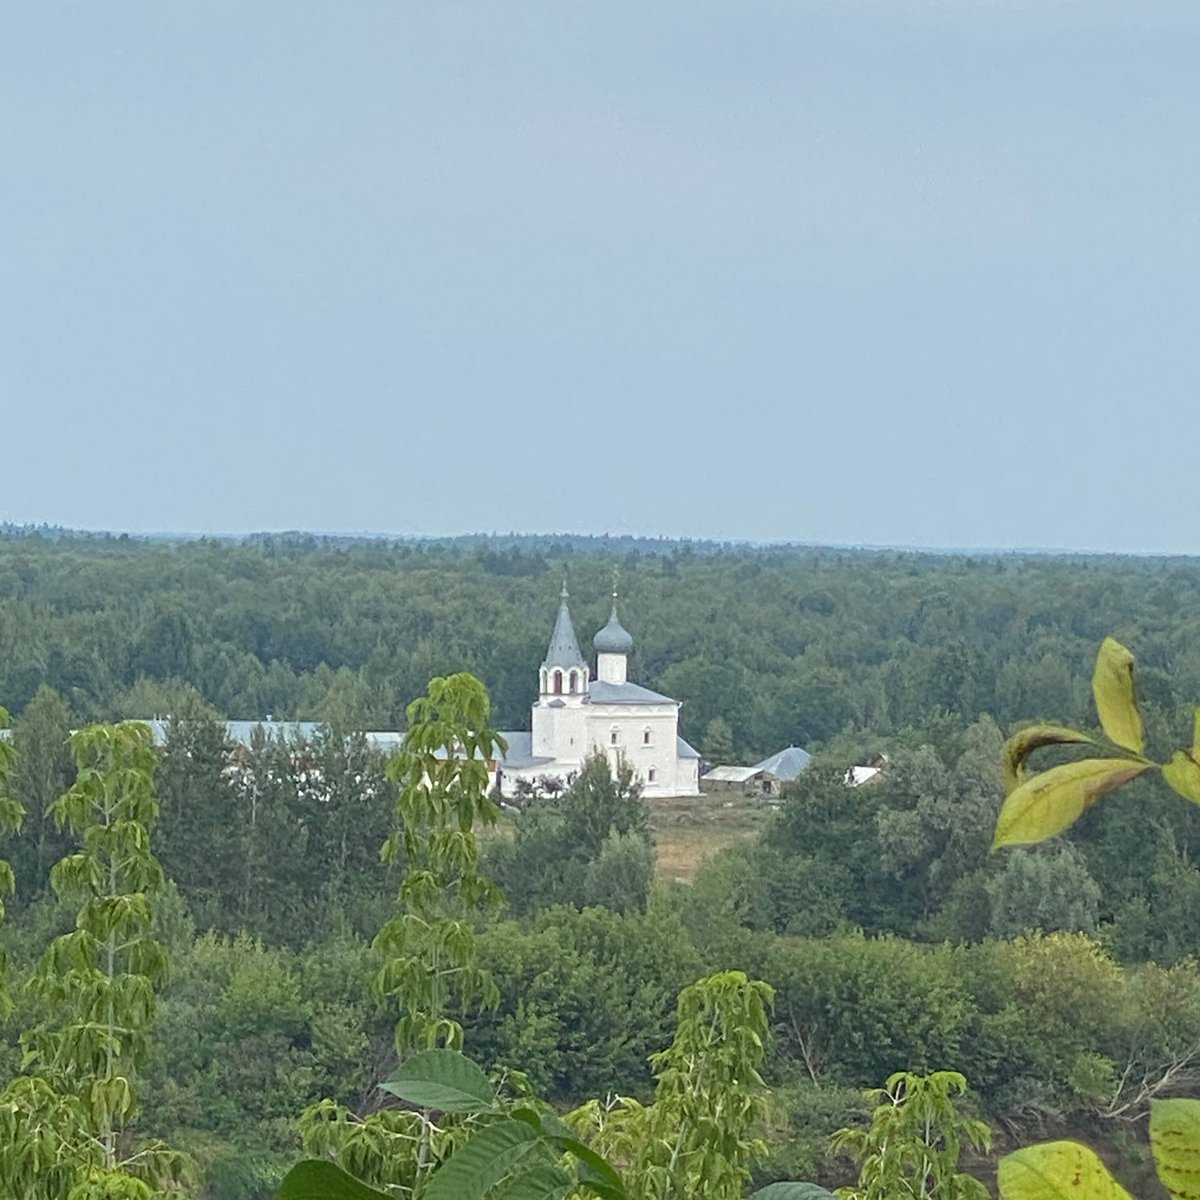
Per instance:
{"type": "Point", "coordinates": [10, 528]}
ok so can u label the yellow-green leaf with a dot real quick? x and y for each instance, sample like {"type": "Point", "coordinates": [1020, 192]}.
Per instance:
{"type": "Point", "coordinates": [1183, 774]}
{"type": "Point", "coordinates": [1050, 801]}
{"type": "Point", "coordinates": [1023, 743]}
{"type": "Point", "coordinates": [1175, 1140]}
{"type": "Point", "coordinates": [1057, 1171]}
{"type": "Point", "coordinates": [1112, 685]}
{"type": "Point", "coordinates": [1196, 737]}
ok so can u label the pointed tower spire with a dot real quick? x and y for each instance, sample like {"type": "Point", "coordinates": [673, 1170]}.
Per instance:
{"type": "Point", "coordinates": [564, 645]}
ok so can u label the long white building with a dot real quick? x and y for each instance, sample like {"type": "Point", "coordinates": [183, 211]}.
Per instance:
{"type": "Point", "coordinates": [578, 714]}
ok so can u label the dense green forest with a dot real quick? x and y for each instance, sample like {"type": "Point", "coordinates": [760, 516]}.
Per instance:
{"type": "Point", "coordinates": [1059, 979]}
{"type": "Point", "coordinates": [787, 645]}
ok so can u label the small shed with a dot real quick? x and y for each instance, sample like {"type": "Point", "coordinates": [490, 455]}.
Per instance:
{"type": "Point", "coordinates": [763, 779]}
{"type": "Point", "coordinates": [741, 780]}
{"type": "Point", "coordinates": [787, 765]}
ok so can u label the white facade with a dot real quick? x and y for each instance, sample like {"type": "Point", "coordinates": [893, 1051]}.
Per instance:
{"type": "Point", "coordinates": [576, 716]}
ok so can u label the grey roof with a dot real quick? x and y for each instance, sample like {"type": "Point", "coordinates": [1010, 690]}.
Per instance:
{"type": "Point", "coordinates": [614, 638]}
{"type": "Point", "coordinates": [600, 692]}
{"type": "Point", "coordinates": [730, 774]}
{"type": "Point", "coordinates": [564, 645]}
{"type": "Point", "coordinates": [683, 750]}
{"type": "Point", "coordinates": [787, 764]}
{"type": "Point", "coordinates": [241, 733]}
{"type": "Point", "coordinates": [520, 750]}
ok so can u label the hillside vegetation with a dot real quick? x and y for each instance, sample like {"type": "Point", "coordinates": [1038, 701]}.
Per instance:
{"type": "Point", "coordinates": [1059, 979]}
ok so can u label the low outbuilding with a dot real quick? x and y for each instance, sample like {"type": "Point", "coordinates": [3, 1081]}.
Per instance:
{"type": "Point", "coordinates": [764, 779]}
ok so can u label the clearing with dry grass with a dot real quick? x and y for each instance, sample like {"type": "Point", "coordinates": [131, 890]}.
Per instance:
{"type": "Point", "coordinates": [691, 829]}
{"type": "Point", "coordinates": [688, 830]}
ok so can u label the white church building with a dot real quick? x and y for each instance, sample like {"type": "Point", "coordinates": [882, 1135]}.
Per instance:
{"type": "Point", "coordinates": [577, 715]}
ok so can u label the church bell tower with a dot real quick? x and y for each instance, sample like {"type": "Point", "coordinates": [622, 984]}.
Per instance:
{"type": "Point", "coordinates": [562, 689]}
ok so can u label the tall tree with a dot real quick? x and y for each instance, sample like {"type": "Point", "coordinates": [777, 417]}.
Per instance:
{"type": "Point", "coordinates": [67, 1122]}
{"type": "Point", "coordinates": [718, 741]}
{"type": "Point", "coordinates": [430, 970]}
{"type": "Point", "coordinates": [11, 815]}
{"type": "Point", "coordinates": [44, 770]}
{"type": "Point", "coordinates": [703, 1133]}
{"type": "Point", "coordinates": [203, 829]}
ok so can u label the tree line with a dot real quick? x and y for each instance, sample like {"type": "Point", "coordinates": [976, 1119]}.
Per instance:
{"type": "Point", "coordinates": [782, 646]}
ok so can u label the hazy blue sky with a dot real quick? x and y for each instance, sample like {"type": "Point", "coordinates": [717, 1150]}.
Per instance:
{"type": "Point", "coordinates": [921, 273]}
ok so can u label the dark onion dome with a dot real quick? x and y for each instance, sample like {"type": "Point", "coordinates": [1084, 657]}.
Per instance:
{"type": "Point", "coordinates": [613, 638]}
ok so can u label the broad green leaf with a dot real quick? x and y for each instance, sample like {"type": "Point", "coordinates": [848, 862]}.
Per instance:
{"type": "Point", "coordinates": [1023, 743]}
{"type": "Point", "coordinates": [1196, 737]}
{"type": "Point", "coordinates": [792, 1191]}
{"type": "Point", "coordinates": [1183, 774]}
{"type": "Point", "coordinates": [443, 1080]}
{"type": "Point", "coordinates": [1057, 1171]}
{"type": "Point", "coordinates": [543, 1181]}
{"type": "Point", "coordinates": [480, 1163]}
{"type": "Point", "coordinates": [1175, 1140]}
{"type": "Point", "coordinates": [1050, 801]}
{"type": "Point", "coordinates": [316, 1179]}
{"type": "Point", "coordinates": [1112, 685]}
{"type": "Point", "coordinates": [594, 1172]}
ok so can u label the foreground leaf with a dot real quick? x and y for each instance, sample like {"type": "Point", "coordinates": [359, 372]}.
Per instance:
{"type": "Point", "coordinates": [481, 1163]}
{"type": "Point", "coordinates": [317, 1179]}
{"type": "Point", "coordinates": [544, 1181]}
{"type": "Point", "coordinates": [594, 1172]}
{"type": "Point", "coordinates": [1057, 1171]}
{"type": "Point", "coordinates": [1175, 1140]}
{"type": "Point", "coordinates": [443, 1080]}
{"type": "Point", "coordinates": [792, 1191]}
{"type": "Point", "coordinates": [1047, 803]}
{"type": "Point", "coordinates": [1183, 774]}
{"type": "Point", "coordinates": [1112, 686]}
{"type": "Point", "coordinates": [1024, 742]}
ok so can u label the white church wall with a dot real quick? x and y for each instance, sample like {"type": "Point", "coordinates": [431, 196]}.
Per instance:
{"type": "Point", "coordinates": [687, 777]}
{"type": "Point", "coordinates": [542, 728]}
{"type": "Point", "coordinates": [612, 668]}
{"type": "Point", "coordinates": [559, 727]}
{"type": "Point", "coordinates": [631, 723]}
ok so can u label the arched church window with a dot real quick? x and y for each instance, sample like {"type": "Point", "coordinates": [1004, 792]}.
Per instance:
{"type": "Point", "coordinates": [652, 775]}
{"type": "Point", "coordinates": [646, 736]}
{"type": "Point", "coordinates": [612, 737]}
{"type": "Point", "coordinates": [558, 683]}
{"type": "Point", "coordinates": [571, 684]}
